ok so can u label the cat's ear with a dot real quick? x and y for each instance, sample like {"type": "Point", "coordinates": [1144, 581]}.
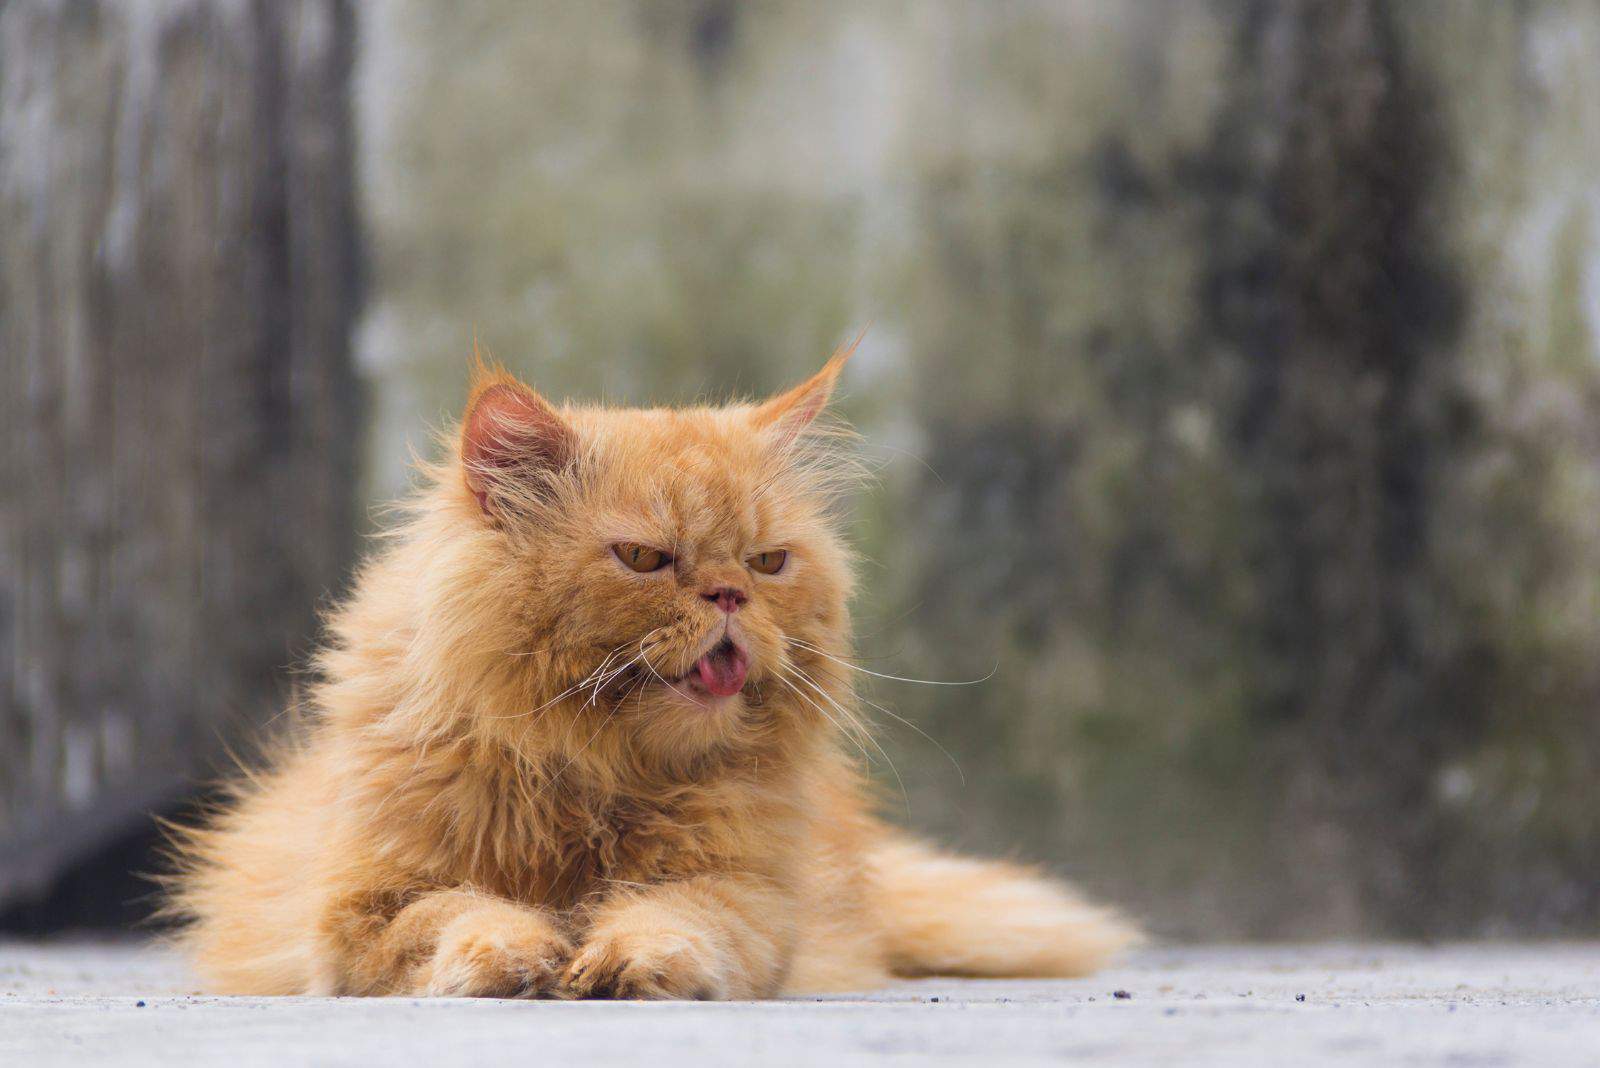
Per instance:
{"type": "Point", "coordinates": [510, 437]}
{"type": "Point", "coordinates": [789, 413]}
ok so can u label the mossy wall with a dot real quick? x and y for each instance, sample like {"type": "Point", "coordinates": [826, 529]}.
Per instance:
{"type": "Point", "coordinates": [1232, 377]}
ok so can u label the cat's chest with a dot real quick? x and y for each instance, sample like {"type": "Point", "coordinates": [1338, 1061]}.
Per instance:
{"type": "Point", "coordinates": [582, 847]}
{"type": "Point", "coordinates": [563, 846]}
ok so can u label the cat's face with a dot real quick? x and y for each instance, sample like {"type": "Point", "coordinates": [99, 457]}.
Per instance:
{"type": "Point", "coordinates": [678, 567]}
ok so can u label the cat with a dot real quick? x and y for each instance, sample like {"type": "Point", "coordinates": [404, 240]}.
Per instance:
{"type": "Point", "coordinates": [584, 728]}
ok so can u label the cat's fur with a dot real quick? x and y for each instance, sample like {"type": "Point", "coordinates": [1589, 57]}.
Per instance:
{"type": "Point", "coordinates": [490, 794]}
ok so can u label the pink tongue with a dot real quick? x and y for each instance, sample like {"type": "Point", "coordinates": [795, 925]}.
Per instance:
{"type": "Point", "coordinates": [722, 670]}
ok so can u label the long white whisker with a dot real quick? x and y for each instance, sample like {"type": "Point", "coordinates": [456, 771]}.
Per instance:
{"type": "Point", "coordinates": [599, 678]}
{"type": "Point", "coordinates": [892, 678]}
{"type": "Point", "coordinates": [607, 679]}
{"type": "Point", "coordinates": [568, 692]}
{"type": "Point", "coordinates": [842, 729]}
{"type": "Point", "coordinates": [651, 668]}
{"type": "Point", "coordinates": [573, 758]}
{"type": "Point", "coordinates": [590, 741]}
{"type": "Point", "coordinates": [616, 672]}
{"type": "Point", "coordinates": [867, 734]}
{"type": "Point", "coordinates": [895, 715]}
{"type": "Point", "coordinates": [638, 683]}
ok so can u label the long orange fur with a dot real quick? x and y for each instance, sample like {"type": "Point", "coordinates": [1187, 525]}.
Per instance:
{"type": "Point", "coordinates": [503, 787]}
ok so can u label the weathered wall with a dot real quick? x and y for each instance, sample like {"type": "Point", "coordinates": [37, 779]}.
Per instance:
{"type": "Point", "coordinates": [178, 281]}
{"type": "Point", "coordinates": [1252, 347]}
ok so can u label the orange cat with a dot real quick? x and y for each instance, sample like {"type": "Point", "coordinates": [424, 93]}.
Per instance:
{"type": "Point", "coordinates": [580, 731]}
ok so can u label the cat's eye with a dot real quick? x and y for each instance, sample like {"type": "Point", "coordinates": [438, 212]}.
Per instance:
{"type": "Point", "coordinates": [768, 563]}
{"type": "Point", "coordinates": [641, 557]}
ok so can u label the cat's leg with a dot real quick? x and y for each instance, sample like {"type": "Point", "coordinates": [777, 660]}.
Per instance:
{"type": "Point", "coordinates": [709, 937]}
{"type": "Point", "coordinates": [446, 943]}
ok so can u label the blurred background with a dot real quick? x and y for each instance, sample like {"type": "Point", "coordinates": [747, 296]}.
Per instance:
{"type": "Point", "coordinates": [1232, 381]}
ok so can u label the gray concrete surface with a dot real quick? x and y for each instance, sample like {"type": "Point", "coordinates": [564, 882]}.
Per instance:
{"type": "Point", "coordinates": [1456, 1005]}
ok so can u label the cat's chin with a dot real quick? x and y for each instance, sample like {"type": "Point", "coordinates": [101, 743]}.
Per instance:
{"type": "Point", "coordinates": [679, 717]}
{"type": "Point", "coordinates": [693, 697]}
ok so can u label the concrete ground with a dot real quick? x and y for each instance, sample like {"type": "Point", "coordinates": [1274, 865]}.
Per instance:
{"type": "Point", "coordinates": [80, 1003]}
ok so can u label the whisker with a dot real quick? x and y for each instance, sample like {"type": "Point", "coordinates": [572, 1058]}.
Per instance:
{"type": "Point", "coordinates": [892, 678]}
{"type": "Point", "coordinates": [607, 679]}
{"type": "Point", "coordinates": [651, 668]}
{"type": "Point", "coordinates": [895, 715]}
{"type": "Point", "coordinates": [616, 672]}
{"type": "Point", "coordinates": [545, 648]}
{"type": "Point", "coordinates": [888, 712]}
{"type": "Point", "coordinates": [841, 728]}
{"type": "Point", "coordinates": [568, 692]}
{"type": "Point", "coordinates": [856, 721]}
{"type": "Point", "coordinates": [638, 683]}
{"type": "Point", "coordinates": [597, 678]}
{"type": "Point", "coordinates": [581, 749]}
{"type": "Point", "coordinates": [904, 796]}
{"type": "Point", "coordinates": [574, 757]}
{"type": "Point", "coordinates": [853, 658]}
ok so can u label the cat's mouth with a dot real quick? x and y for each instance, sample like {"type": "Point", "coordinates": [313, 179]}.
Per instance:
{"type": "Point", "coordinates": [721, 671]}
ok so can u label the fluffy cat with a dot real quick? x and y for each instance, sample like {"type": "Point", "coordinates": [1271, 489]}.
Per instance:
{"type": "Point", "coordinates": [580, 731]}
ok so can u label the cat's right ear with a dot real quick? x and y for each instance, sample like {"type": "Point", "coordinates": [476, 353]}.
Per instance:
{"type": "Point", "coordinates": [510, 438]}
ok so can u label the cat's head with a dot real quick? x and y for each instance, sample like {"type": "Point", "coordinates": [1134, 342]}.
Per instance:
{"type": "Point", "coordinates": [672, 576]}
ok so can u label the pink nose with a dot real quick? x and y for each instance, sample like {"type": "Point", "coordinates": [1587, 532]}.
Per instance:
{"type": "Point", "coordinates": [727, 598]}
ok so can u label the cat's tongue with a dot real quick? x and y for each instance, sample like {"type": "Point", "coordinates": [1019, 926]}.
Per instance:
{"type": "Point", "coordinates": [722, 670]}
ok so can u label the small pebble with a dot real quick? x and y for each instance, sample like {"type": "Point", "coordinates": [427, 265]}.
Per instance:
{"type": "Point", "coordinates": [138, 1004]}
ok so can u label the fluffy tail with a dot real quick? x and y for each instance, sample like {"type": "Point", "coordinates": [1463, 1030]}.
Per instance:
{"type": "Point", "coordinates": [948, 915]}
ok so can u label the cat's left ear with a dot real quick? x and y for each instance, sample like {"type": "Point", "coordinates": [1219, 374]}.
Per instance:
{"type": "Point", "coordinates": [510, 438]}
{"type": "Point", "coordinates": [787, 414]}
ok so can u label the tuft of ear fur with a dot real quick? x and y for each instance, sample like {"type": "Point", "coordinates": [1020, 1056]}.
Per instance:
{"type": "Point", "coordinates": [789, 413]}
{"type": "Point", "coordinates": [508, 434]}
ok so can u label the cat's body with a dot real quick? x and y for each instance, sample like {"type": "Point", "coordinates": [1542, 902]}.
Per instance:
{"type": "Point", "coordinates": [582, 731]}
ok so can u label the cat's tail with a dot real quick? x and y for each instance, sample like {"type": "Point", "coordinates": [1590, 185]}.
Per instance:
{"type": "Point", "coordinates": [950, 915]}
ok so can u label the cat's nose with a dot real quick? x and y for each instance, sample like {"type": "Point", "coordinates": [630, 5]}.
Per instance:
{"type": "Point", "coordinates": [727, 598]}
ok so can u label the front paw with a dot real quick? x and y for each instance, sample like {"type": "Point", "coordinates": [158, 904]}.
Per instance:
{"type": "Point", "coordinates": [647, 964]}
{"type": "Point", "coordinates": [488, 957]}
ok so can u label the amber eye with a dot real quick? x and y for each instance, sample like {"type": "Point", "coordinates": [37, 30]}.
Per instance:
{"type": "Point", "coordinates": [769, 563]}
{"type": "Point", "coordinates": [641, 557]}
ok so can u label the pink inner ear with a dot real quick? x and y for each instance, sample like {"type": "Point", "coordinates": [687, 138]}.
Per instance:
{"type": "Point", "coordinates": [509, 427]}
{"type": "Point", "coordinates": [793, 412]}
{"type": "Point", "coordinates": [790, 413]}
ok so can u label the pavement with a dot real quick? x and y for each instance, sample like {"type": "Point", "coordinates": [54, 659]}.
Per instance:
{"type": "Point", "coordinates": [79, 1003]}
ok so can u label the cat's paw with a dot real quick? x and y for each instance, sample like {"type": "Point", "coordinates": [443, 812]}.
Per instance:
{"type": "Point", "coordinates": [648, 964]}
{"type": "Point", "coordinates": [489, 957]}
